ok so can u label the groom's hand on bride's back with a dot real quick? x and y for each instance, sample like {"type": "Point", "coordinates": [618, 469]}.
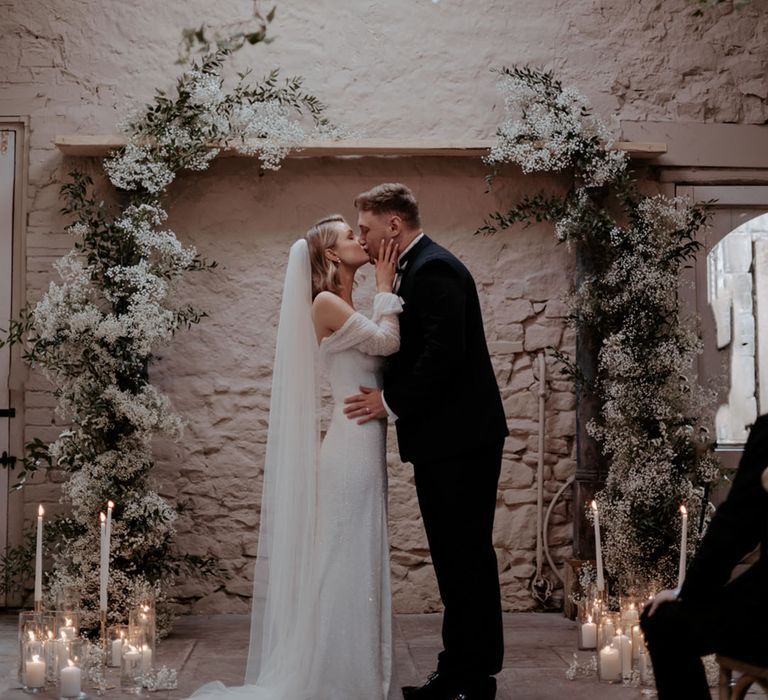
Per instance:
{"type": "Point", "coordinates": [365, 406]}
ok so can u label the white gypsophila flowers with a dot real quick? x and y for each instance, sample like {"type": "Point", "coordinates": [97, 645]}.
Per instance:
{"type": "Point", "coordinates": [205, 88]}
{"type": "Point", "coordinates": [548, 132]}
{"type": "Point", "coordinates": [267, 129]}
{"type": "Point", "coordinates": [135, 166]}
{"type": "Point", "coordinates": [148, 411]}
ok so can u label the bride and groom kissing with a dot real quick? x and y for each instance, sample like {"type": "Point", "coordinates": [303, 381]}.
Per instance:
{"type": "Point", "coordinates": [321, 621]}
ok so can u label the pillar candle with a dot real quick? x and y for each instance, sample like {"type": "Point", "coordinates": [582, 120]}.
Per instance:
{"type": "Point", "coordinates": [683, 547]}
{"type": "Point", "coordinates": [610, 664]}
{"type": "Point", "coordinates": [589, 634]}
{"type": "Point", "coordinates": [146, 659]}
{"type": "Point", "coordinates": [35, 672]}
{"type": "Point", "coordinates": [117, 651]}
{"type": "Point", "coordinates": [39, 557]}
{"type": "Point", "coordinates": [67, 630]}
{"type": "Point", "coordinates": [637, 641]}
{"type": "Point", "coordinates": [69, 682]}
{"type": "Point", "coordinates": [598, 550]}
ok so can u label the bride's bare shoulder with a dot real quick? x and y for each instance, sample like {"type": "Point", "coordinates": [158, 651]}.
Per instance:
{"type": "Point", "coordinates": [330, 311]}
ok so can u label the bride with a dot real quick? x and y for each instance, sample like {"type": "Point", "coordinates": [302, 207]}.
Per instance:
{"type": "Point", "coordinates": [321, 616]}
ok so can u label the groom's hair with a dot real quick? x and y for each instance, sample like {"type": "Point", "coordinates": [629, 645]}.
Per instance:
{"type": "Point", "coordinates": [391, 198]}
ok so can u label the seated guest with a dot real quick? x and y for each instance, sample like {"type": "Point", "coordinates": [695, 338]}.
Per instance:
{"type": "Point", "coordinates": [710, 613]}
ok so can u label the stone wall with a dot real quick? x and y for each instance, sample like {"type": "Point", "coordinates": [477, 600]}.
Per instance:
{"type": "Point", "coordinates": [404, 68]}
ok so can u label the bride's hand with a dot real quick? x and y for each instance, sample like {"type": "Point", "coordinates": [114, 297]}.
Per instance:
{"type": "Point", "coordinates": [385, 266]}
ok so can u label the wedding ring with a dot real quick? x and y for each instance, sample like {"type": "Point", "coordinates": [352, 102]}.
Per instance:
{"type": "Point", "coordinates": [367, 410]}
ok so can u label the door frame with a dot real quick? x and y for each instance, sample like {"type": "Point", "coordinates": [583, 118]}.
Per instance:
{"type": "Point", "coordinates": [736, 204]}
{"type": "Point", "coordinates": [17, 380]}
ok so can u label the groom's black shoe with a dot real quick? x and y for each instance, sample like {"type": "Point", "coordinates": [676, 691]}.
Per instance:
{"type": "Point", "coordinates": [440, 687]}
{"type": "Point", "coordinates": [484, 689]}
{"type": "Point", "coordinates": [437, 687]}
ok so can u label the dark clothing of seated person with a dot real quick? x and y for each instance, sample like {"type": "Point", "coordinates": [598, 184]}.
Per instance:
{"type": "Point", "coordinates": [712, 613]}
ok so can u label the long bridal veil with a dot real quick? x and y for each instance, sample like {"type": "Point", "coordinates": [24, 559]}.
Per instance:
{"type": "Point", "coordinates": [281, 609]}
{"type": "Point", "coordinates": [281, 615]}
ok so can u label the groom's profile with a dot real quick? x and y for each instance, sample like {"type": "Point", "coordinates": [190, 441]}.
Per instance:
{"type": "Point", "coordinates": [441, 391]}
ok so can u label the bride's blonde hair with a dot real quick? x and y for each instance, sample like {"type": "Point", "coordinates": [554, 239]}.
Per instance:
{"type": "Point", "coordinates": [325, 273]}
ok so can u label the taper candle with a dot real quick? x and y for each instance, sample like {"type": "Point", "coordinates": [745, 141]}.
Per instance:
{"type": "Point", "coordinates": [598, 550]}
{"type": "Point", "coordinates": [104, 564]}
{"type": "Point", "coordinates": [39, 557]}
{"type": "Point", "coordinates": [683, 547]}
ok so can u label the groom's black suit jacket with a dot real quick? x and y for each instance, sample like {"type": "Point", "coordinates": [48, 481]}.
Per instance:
{"type": "Point", "coordinates": [441, 384]}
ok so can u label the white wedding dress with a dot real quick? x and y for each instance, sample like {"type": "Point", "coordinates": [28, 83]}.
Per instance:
{"type": "Point", "coordinates": [344, 649]}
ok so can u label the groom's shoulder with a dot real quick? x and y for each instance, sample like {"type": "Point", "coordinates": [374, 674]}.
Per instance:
{"type": "Point", "coordinates": [435, 256]}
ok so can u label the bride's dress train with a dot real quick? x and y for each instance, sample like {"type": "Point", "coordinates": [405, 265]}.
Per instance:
{"type": "Point", "coordinates": [342, 649]}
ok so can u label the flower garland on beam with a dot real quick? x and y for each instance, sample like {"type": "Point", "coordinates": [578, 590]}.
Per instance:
{"type": "Point", "coordinates": [95, 333]}
{"type": "Point", "coordinates": [649, 421]}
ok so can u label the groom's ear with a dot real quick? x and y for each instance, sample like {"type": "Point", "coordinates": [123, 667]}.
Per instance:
{"type": "Point", "coordinates": [395, 225]}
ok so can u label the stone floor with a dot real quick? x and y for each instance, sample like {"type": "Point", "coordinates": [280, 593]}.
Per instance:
{"type": "Point", "coordinates": [539, 648]}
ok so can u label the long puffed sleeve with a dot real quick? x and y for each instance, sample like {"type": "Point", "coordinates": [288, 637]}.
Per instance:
{"type": "Point", "coordinates": [378, 335]}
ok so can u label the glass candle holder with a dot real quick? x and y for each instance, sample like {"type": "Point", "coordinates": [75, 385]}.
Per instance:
{"type": "Point", "coordinates": [71, 673]}
{"type": "Point", "coordinates": [67, 624]}
{"type": "Point", "coordinates": [131, 671]}
{"type": "Point", "coordinates": [587, 625]}
{"type": "Point", "coordinates": [141, 630]}
{"type": "Point", "coordinates": [607, 625]}
{"type": "Point", "coordinates": [117, 635]}
{"type": "Point", "coordinates": [31, 628]}
{"type": "Point", "coordinates": [33, 665]}
{"type": "Point", "coordinates": [644, 667]}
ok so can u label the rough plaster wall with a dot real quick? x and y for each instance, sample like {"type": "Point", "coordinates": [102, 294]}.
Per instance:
{"type": "Point", "coordinates": [404, 68]}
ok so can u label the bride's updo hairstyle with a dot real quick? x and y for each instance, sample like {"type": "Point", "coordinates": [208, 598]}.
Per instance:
{"type": "Point", "coordinates": [321, 236]}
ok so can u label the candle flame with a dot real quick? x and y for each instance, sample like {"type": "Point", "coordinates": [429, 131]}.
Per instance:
{"type": "Point", "coordinates": [31, 636]}
{"type": "Point", "coordinates": [594, 505]}
{"type": "Point", "coordinates": [145, 608]}
{"type": "Point", "coordinates": [110, 504]}
{"type": "Point", "coordinates": [40, 510]}
{"type": "Point", "coordinates": [69, 661]}
{"type": "Point", "coordinates": [35, 658]}
{"type": "Point", "coordinates": [589, 618]}
{"type": "Point", "coordinates": [50, 634]}
{"type": "Point", "coordinates": [68, 622]}
{"type": "Point", "coordinates": [683, 510]}
{"type": "Point", "coordinates": [618, 632]}
{"type": "Point", "coordinates": [103, 517]}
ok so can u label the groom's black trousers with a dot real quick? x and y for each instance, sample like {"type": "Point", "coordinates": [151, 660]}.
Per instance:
{"type": "Point", "coordinates": [457, 498]}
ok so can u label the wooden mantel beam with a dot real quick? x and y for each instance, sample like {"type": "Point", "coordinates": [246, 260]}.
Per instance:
{"type": "Point", "coordinates": [100, 145]}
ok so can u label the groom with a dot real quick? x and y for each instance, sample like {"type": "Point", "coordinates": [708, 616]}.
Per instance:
{"type": "Point", "coordinates": [441, 391]}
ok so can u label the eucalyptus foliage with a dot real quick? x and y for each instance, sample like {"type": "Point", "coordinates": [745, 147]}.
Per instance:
{"type": "Point", "coordinates": [635, 246]}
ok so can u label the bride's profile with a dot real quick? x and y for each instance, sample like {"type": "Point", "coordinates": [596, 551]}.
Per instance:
{"type": "Point", "coordinates": [321, 610]}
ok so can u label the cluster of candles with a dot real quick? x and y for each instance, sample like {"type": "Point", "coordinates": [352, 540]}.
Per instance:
{"type": "Point", "coordinates": [51, 650]}
{"type": "Point", "coordinates": [617, 636]}
{"type": "Point", "coordinates": [619, 640]}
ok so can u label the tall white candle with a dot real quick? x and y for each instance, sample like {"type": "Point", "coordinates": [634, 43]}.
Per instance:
{"type": "Point", "coordinates": [104, 564]}
{"type": "Point", "coordinates": [683, 547]}
{"type": "Point", "coordinates": [35, 672]}
{"type": "Point", "coordinates": [637, 641]}
{"type": "Point", "coordinates": [39, 557]}
{"type": "Point", "coordinates": [146, 659]}
{"type": "Point", "coordinates": [598, 550]}
{"type": "Point", "coordinates": [69, 682]}
{"type": "Point", "coordinates": [110, 506]}
{"type": "Point", "coordinates": [622, 643]}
